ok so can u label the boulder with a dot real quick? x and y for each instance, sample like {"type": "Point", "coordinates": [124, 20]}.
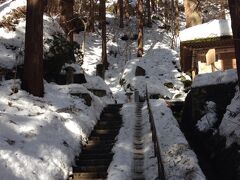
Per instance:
{"type": "Point", "coordinates": [140, 71]}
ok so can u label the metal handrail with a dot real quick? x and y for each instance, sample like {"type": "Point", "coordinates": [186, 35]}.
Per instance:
{"type": "Point", "coordinates": [161, 173]}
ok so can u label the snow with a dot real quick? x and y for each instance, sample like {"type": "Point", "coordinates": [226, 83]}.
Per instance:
{"type": "Point", "coordinates": [209, 119]}
{"type": "Point", "coordinates": [230, 125]}
{"type": "Point", "coordinates": [214, 28]}
{"type": "Point", "coordinates": [40, 137]}
{"type": "Point", "coordinates": [121, 166]}
{"type": "Point", "coordinates": [218, 77]}
{"type": "Point", "coordinates": [180, 162]}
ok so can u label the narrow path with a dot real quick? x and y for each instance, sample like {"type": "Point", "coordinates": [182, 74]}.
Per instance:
{"type": "Point", "coordinates": [96, 155]}
{"type": "Point", "coordinates": [138, 168]}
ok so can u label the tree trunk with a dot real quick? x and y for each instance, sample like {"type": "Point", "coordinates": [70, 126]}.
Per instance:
{"type": "Point", "coordinates": [176, 18]}
{"type": "Point", "coordinates": [91, 17]}
{"type": "Point", "coordinates": [166, 12]}
{"type": "Point", "coordinates": [102, 14]}
{"type": "Point", "coordinates": [153, 5]}
{"type": "Point", "coordinates": [149, 13]}
{"type": "Point", "coordinates": [127, 13]}
{"type": "Point", "coordinates": [234, 7]}
{"type": "Point", "coordinates": [140, 28]}
{"type": "Point", "coordinates": [121, 12]}
{"type": "Point", "coordinates": [160, 4]}
{"type": "Point", "coordinates": [66, 17]}
{"type": "Point", "coordinates": [223, 15]}
{"type": "Point", "coordinates": [33, 64]}
{"type": "Point", "coordinates": [192, 12]}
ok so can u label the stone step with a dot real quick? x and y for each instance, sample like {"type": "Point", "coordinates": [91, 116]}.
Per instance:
{"type": "Point", "coordinates": [105, 131]}
{"type": "Point", "coordinates": [108, 125]}
{"type": "Point", "coordinates": [88, 155]}
{"type": "Point", "coordinates": [114, 127]}
{"type": "Point", "coordinates": [93, 162]}
{"type": "Point", "coordinates": [112, 109]}
{"type": "Point", "coordinates": [97, 155]}
{"type": "Point", "coordinates": [109, 118]}
{"type": "Point", "coordinates": [97, 142]}
{"type": "Point", "coordinates": [96, 149]}
{"type": "Point", "coordinates": [90, 168]}
{"type": "Point", "coordinates": [103, 138]}
{"type": "Point", "coordinates": [104, 134]}
{"type": "Point", "coordinates": [90, 175]}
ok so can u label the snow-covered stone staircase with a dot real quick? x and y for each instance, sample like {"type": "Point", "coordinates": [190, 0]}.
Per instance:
{"type": "Point", "coordinates": [96, 156]}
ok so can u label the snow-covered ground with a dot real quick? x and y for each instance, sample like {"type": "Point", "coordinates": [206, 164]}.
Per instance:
{"type": "Point", "coordinates": [230, 126]}
{"type": "Point", "coordinates": [121, 166]}
{"type": "Point", "coordinates": [39, 137]}
{"type": "Point", "coordinates": [179, 160]}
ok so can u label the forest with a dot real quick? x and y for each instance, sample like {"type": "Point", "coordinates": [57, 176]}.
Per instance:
{"type": "Point", "coordinates": [119, 89]}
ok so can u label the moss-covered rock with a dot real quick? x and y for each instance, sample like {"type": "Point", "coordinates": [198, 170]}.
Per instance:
{"type": "Point", "coordinates": [169, 84]}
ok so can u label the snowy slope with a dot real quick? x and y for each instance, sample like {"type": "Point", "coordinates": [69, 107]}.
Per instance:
{"type": "Point", "coordinates": [39, 137]}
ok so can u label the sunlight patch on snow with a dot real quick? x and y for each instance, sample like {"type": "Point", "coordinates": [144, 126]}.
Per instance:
{"type": "Point", "coordinates": [73, 127]}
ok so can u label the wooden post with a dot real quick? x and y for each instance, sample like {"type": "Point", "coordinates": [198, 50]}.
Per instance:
{"type": "Point", "coordinates": [234, 7]}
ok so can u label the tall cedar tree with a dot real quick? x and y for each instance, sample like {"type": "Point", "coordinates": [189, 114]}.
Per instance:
{"type": "Point", "coordinates": [234, 7]}
{"type": "Point", "coordinates": [121, 12]}
{"type": "Point", "coordinates": [192, 12]}
{"type": "Point", "coordinates": [66, 17]}
{"type": "Point", "coordinates": [90, 27]}
{"type": "Point", "coordinates": [166, 12]}
{"type": "Point", "coordinates": [176, 18]}
{"type": "Point", "coordinates": [222, 4]}
{"type": "Point", "coordinates": [153, 5]}
{"type": "Point", "coordinates": [33, 64]}
{"type": "Point", "coordinates": [102, 15]}
{"type": "Point", "coordinates": [149, 13]}
{"type": "Point", "coordinates": [140, 28]}
{"type": "Point", "coordinates": [127, 15]}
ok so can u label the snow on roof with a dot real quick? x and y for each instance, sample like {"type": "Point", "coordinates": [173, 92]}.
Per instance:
{"type": "Point", "coordinates": [215, 28]}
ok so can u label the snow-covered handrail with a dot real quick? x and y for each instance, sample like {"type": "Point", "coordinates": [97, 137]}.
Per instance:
{"type": "Point", "coordinates": [161, 173]}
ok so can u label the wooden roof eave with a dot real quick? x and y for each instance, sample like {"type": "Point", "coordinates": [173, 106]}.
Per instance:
{"type": "Point", "coordinates": [224, 41]}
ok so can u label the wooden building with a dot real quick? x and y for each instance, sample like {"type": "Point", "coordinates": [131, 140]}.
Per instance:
{"type": "Point", "coordinates": [208, 54]}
